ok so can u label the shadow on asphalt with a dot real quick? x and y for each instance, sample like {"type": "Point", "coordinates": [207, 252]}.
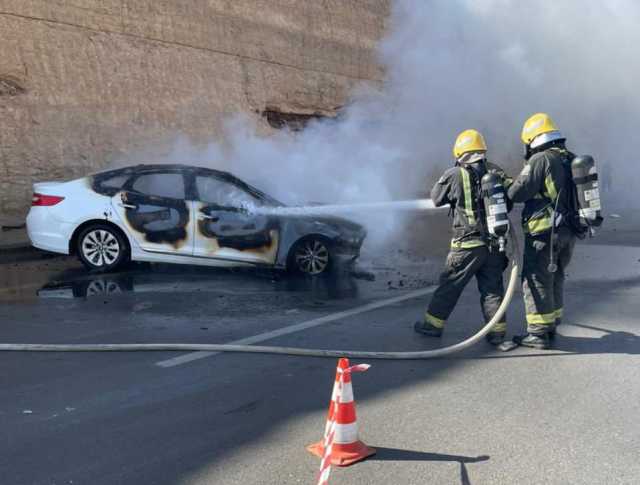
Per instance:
{"type": "Point", "coordinates": [396, 454]}
{"type": "Point", "coordinates": [464, 475]}
{"type": "Point", "coordinates": [218, 439]}
{"type": "Point", "coordinates": [611, 342]}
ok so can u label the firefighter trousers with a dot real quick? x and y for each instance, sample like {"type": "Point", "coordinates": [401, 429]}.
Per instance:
{"type": "Point", "coordinates": [543, 290]}
{"type": "Point", "coordinates": [487, 265]}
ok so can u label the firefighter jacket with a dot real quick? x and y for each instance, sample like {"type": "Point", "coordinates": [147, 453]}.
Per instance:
{"type": "Point", "coordinates": [542, 183]}
{"type": "Point", "coordinates": [460, 188]}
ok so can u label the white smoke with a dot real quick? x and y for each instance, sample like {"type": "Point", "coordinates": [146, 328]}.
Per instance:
{"type": "Point", "coordinates": [453, 65]}
{"type": "Point", "coordinates": [489, 64]}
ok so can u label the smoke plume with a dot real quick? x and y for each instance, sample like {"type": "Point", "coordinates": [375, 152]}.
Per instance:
{"type": "Point", "coordinates": [453, 65]}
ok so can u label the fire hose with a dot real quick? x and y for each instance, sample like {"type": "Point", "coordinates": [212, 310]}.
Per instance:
{"type": "Point", "coordinates": [421, 204]}
{"type": "Point", "coordinates": [293, 351]}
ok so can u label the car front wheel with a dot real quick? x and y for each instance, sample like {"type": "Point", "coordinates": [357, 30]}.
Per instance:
{"type": "Point", "coordinates": [311, 256]}
{"type": "Point", "coordinates": [102, 248]}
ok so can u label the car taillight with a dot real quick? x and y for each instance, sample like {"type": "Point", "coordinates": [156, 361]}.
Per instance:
{"type": "Point", "coordinates": [45, 200]}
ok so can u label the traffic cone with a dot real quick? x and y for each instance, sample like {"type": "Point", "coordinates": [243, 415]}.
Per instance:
{"type": "Point", "coordinates": [347, 448]}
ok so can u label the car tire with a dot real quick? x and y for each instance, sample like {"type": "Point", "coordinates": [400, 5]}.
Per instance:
{"type": "Point", "coordinates": [102, 248]}
{"type": "Point", "coordinates": [312, 256]}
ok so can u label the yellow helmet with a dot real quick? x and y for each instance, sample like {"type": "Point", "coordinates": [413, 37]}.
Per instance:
{"type": "Point", "coordinates": [469, 141]}
{"type": "Point", "coordinates": [536, 125]}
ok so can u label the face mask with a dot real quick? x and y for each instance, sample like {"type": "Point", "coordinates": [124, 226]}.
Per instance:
{"type": "Point", "coordinates": [479, 168]}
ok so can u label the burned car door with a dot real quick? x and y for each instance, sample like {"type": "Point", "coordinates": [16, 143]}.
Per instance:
{"type": "Point", "coordinates": [153, 208]}
{"type": "Point", "coordinates": [227, 228]}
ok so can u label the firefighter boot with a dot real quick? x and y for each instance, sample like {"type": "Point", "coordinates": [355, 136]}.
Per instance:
{"type": "Point", "coordinates": [554, 327]}
{"type": "Point", "coordinates": [540, 342]}
{"type": "Point", "coordinates": [427, 329]}
{"type": "Point", "coordinates": [495, 338]}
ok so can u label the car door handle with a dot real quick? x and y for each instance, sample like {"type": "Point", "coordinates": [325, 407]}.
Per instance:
{"type": "Point", "coordinates": [128, 206]}
{"type": "Point", "coordinates": [209, 218]}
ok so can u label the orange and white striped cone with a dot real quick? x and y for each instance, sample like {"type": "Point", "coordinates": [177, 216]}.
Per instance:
{"type": "Point", "coordinates": [347, 448]}
{"type": "Point", "coordinates": [325, 462]}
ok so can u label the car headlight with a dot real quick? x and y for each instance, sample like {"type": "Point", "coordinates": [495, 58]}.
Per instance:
{"type": "Point", "coordinates": [351, 240]}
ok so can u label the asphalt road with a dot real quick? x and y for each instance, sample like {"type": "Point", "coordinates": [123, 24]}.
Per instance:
{"type": "Point", "coordinates": [567, 415]}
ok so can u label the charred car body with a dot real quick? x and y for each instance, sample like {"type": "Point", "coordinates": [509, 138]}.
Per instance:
{"type": "Point", "coordinates": [182, 214]}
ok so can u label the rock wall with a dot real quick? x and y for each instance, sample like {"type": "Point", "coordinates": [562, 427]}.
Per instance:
{"type": "Point", "coordinates": [86, 82]}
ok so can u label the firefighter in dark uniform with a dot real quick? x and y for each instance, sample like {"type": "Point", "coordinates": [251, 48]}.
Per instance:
{"type": "Point", "coordinates": [544, 187]}
{"type": "Point", "coordinates": [473, 251]}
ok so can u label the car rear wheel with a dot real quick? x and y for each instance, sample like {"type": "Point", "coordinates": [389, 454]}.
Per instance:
{"type": "Point", "coordinates": [312, 256]}
{"type": "Point", "coordinates": [102, 248]}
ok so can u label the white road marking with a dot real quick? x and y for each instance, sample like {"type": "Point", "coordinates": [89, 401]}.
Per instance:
{"type": "Point", "coordinates": [191, 356]}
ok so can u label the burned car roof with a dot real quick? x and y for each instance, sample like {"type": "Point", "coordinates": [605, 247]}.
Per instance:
{"type": "Point", "coordinates": [148, 167]}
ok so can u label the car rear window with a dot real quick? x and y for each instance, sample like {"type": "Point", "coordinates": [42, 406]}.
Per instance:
{"type": "Point", "coordinates": [170, 185]}
{"type": "Point", "coordinates": [114, 182]}
{"type": "Point", "coordinates": [109, 183]}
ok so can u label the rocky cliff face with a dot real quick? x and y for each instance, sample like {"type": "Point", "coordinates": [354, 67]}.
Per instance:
{"type": "Point", "coordinates": [86, 82]}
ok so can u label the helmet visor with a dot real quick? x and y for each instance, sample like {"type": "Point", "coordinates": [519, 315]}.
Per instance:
{"type": "Point", "coordinates": [472, 157]}
{"type": "Point", "coordinates": [545, 138]}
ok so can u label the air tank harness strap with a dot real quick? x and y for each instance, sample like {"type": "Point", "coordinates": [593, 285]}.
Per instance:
{"type": "Point", "coordinates": [468, 197]}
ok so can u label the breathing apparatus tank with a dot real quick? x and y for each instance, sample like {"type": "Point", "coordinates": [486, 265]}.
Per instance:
{"type": "Point", "coordinates": [495, 206]}
{"type": "Point", "coordinates": [585, 179]}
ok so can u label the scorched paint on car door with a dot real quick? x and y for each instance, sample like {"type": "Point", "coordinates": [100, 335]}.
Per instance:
{"type": "Point", "coordinates": [225, 227]}
{"type": "Point", "coordinates": [153, 208]}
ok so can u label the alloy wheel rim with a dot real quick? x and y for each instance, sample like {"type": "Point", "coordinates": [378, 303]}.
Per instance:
{"type": "Point", "coordinates": [100, 247]}
{"type": "Point", "coordinates": [103, 287]}
{"type": "Point", "coordinates": [312, 257]}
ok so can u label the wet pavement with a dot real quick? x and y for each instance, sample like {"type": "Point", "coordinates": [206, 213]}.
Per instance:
{"type": "Point", "coordinates": [563, 416]}
{"type": "Point", "coordinates": [65, 277]}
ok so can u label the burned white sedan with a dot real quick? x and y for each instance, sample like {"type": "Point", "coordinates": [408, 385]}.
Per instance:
{"type": "Point", "coordinates": [186, 215]}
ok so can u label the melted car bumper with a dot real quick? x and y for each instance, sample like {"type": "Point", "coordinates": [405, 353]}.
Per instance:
{"type": "Point", "coordinates": [348, 247]}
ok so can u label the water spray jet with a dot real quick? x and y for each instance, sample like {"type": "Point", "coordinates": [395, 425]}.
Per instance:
{"type": "Point", "coordinates": [332, 209]}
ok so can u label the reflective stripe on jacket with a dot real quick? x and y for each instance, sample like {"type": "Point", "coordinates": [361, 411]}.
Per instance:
{"type": "Point", "coordinates": [460, 188]}
{"type": "Point", "coordinates": [541, 181]}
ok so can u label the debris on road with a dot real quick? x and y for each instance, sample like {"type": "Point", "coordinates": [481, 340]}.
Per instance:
{"type": "Point", "coordinates": [144, 305]}
{"type": "Point", "coordinates": [361, 274]}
